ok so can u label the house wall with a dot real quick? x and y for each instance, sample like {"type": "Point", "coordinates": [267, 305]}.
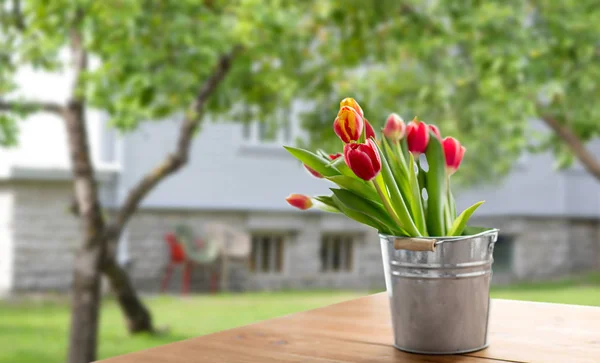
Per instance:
{"type": "Point", "coordinates": [545, 248]}
{"type": "Point", "coordinates": [42, 238]}
{"type": "Point", "coordinates": [553, 216]}
{"type": "Point", "coordinates": [301, 265]}
{"type": "Point", "coordinates": [6, 240]}
{"type": "Point", "coordinates": [45, 235]}
{"type": "Point", "coordinates": [226, 171]}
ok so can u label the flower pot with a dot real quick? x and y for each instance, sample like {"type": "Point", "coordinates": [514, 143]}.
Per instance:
{"type": "Point", "coordinates": [439, 291]}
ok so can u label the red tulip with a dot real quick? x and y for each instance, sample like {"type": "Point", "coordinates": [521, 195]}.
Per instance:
{"type": "Point", "coordinates": [351, 102]}
{"type": "Point", "coordinates": [370, 133]}
{"type": "Point", "coordinates": [313, 172]}
{"type": "Point", "coordinates": [436, 131]}
{"type": "Point", "coordinates": [454, 152]}
{"type": "Point", "coordinates": [395, 128]}
{"type": "Point", "coordinates": [363, 159]}
{"type": "Point", "coordinates": [299, 201]}
{"type": "Point", "coordinates": [417, 136]}
{"type": "Point", "coordinates": [348, 124]}
{"type": "Point", "coordinates": [334, 156]}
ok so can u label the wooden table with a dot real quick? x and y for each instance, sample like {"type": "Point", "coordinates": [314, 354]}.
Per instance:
{"type": "Point", "coordinates": [360, 331]}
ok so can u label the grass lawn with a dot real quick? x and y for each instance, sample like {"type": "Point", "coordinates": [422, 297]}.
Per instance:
{"type": "Point", "coordinates": [36, 330]}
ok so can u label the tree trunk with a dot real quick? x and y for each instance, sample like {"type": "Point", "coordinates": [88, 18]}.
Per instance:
{"type": "Point", "coordinates": [135, 313]}
{"type": "Point", "coordinates": [137, 316]}
{"type": "Point", "coordinates": [85, 307]}
{"type": "Point", "coordinates": [86, 279]}
{"type": "Point", "coordinates": [98, 253]}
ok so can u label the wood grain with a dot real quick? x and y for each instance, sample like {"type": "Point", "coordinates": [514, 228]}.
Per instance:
{"type": "Point", "coordinates": [360, 331]}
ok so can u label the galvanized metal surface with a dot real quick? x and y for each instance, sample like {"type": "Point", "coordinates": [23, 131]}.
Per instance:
{"type": "Point", "coordinates": [440, 300]}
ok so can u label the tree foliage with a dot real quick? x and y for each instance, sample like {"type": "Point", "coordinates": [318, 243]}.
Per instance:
{"type": "Point", "coordinates": [480, 69]}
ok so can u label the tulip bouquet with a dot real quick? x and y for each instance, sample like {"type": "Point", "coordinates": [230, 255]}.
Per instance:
{"type": "Point", "coordinates": [382, 182]}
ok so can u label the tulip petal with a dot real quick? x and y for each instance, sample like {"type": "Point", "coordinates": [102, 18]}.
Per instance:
{"type": "Point", "coordinates": [299, 201]}
{"type": "Point", "coordinates": [362, 159]}
{"type": "Point", "coordinates": [361, 165]}
{"type": "Point", "coordinates": [417, 136]}
{"type": "Point", "coordinates": [371, 150]}
{"type": "Point", "coordinates": [369, 132]}
{"type": "Point", "coordinates": [313, 172]}
{"type": "Point", "coordinates": [351, 102]}
{"type": "Point", "coordinates": [395, 128]}
{"type": "Point", "coordinates": [348, 125]}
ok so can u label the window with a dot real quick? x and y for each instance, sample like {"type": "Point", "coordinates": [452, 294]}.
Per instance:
{"type": "Point", "coordinates": [503, 254]}
{"type": "Point", "coordinates": [267, 253]}
{"type": "Point", "coordinates": [336, 253]}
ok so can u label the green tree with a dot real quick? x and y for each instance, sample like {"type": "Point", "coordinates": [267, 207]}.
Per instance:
{"type": "Point", "coordinates": [241, 60]}
{"type": "Point", "coordinates": [479, 69]}
{"type": "Point", "coordinates": [482, 71]}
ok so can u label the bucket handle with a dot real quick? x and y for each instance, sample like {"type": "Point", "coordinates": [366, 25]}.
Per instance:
{"type": "Point", "coordinates": [415, 244]}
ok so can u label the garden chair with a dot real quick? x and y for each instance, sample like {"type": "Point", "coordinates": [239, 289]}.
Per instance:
{"type": "Point", "coordinates": [182, 251]}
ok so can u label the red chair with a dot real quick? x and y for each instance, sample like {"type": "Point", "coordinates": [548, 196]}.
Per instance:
{"type": "Point", "coordinates": [178, 256]}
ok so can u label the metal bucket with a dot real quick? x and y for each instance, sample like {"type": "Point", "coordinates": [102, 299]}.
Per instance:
{"type": "Point", "coordinates": [439, 290]}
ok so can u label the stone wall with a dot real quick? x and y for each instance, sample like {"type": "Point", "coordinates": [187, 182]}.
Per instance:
{"type": "Point", "coordinates": [6, 239]}
{"type": "Point", "coordinates": [39, 239]}
{"type": "Point", "coordinates": [546, 248]}
{"type": "Point", "coordinates": [45, 235]}
{"type": "Point", "coordinates": [301, 266]}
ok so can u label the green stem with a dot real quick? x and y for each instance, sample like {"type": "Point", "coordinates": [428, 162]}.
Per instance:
{"type": "Point", "coordinates": [400, 153]}
{"type": "Point", "coordinates": [450, 201]}
{"type": "Point", "coordinates": [447, 211]}
{"type": "Point", "coordinates": [421, 177]}
{"type": "Point", "coordinates": [386, 204]}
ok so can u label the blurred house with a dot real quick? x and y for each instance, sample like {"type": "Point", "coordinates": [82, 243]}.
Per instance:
{"type": "Point", "coordinates": [549, 221]}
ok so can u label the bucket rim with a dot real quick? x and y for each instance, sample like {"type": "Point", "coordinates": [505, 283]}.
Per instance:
{"type": "Point", "coordinates": [440, 240]}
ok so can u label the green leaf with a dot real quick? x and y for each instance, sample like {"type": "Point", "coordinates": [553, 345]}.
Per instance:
{"type": "Point", "coordinates": [340, 164]}
{"type": "Point", "coordinates": [404, 148]}
{"type": "Point", "coordinates": [416, 202]}
{"type": "Point", "coordinates": [322, 153]}
{"type": "Point", "coordinates": [319, 164]}
{"type": "Point", "coordinates": [394, 154]}
{"type": "Point", "coordinates": [436, 180]}
{"type": "Point", "coordinates": [398, 204]}
{"type": "Point", "coordinates": [399, 170]}
{"type": "Point", "coordinates": [461, 222]}
{"type": "Point", "coordinates": [372, 209]}
{"type": "Point", "coordinates": [326, 204]}
{"type": "Point", "coordinates": [357, 186]}
{"type": "Point", "coordinates": [360, 217]}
